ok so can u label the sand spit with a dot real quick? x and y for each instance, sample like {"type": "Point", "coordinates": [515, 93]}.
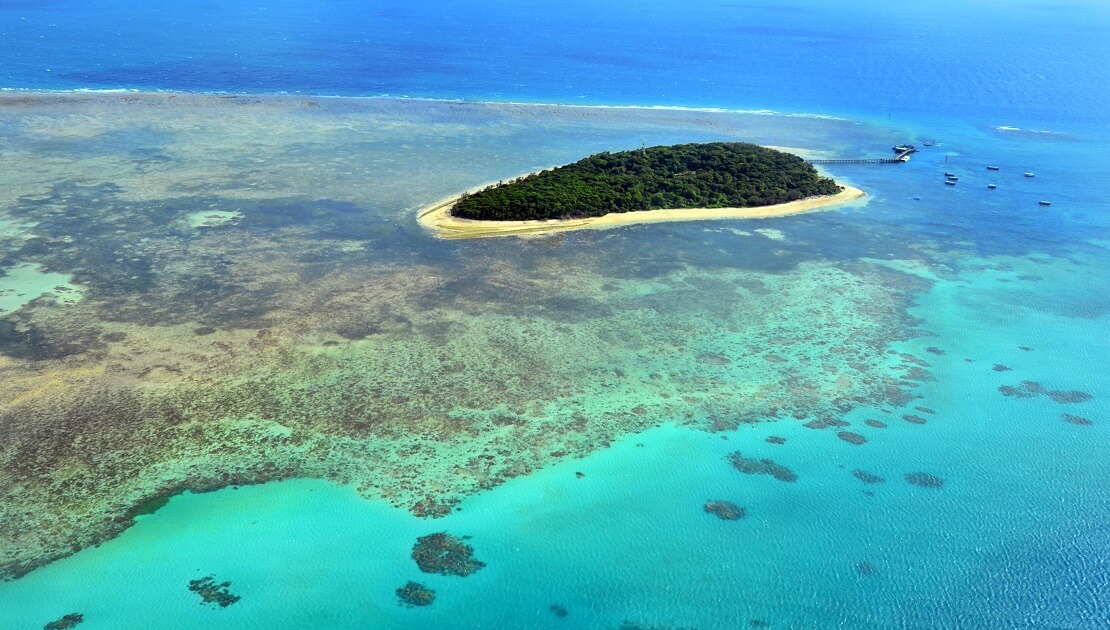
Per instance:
{"type": "Point", "coordinates": [437, 216]}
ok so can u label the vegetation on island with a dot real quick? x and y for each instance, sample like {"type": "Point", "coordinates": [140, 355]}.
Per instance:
{"type": "Point", "coordinates": [704, 175]}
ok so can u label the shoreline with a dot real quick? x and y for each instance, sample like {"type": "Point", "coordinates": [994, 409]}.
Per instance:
{"type": "Point", "coordinates": [435, 217]}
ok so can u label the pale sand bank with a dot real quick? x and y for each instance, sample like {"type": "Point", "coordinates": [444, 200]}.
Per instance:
{"type": "Point", "coordinates": [436, 217]}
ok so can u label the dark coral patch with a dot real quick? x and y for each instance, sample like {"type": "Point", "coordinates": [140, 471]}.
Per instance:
{"type": "Point", "coordinates": [1015, 392]}
{"type": "Point", "coordinates": [445, 554]}
{"type": "Point", "coordinates": [774, 439]}
{"type": "Point", "coordinates": [204, 330]}
{"type": "Point", "coordinates": [866, 568]}
{"type": "Point", "coordinates": [913, 419]}
{"type": "Point", "coordinates": [1034, 387]}
{"type": "Point", "coordinates": [752, 466]}
{"type": "Point", "coordinates": [925, 410]}
{"type": "Point", "coordinates": [998, 367]}
{"type": "Point", "coordinates": [68, 621]}
{"type": "Point", "coordinates": [1069, 396]}
{"type": "Point", "coordinates": [212, 592]}
{"type": "Point", "coordinates": [713, 358]}
{"type": "Point", "coordinates": [430, 507]}
{"type": "Point", "coordinates": [851, 437]}
{"type": "Point", "coordinates": [1031, 389]}
{"type": "Point", "coordinates": [919, 374]}
{"type": "Point", "coordinates": [878, 424]}
{"type": "Point", "coordinates": [925, 480]}
{"type": "Point", "coordinates": [867, 477]}
{"type": "Point", "coordinates": [416, 594]}
{"type": "Point", "coordinates": [559, 611]}
{"type": "Point", "coordinates": [934, 350]}
{"type": "Point", "coordinates": [824, 423]}
{"type": "Point", "coordinates": [1078, 420]}
{"type": "Point", "coordinates": [725, 510]}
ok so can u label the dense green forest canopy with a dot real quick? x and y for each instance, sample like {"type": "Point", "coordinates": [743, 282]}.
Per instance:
{"type": "Point", "coordinates": [704, 175]}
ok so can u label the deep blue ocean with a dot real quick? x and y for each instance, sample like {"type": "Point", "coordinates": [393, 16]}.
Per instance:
{"type": "Point", "coordinates": [1002, 291]}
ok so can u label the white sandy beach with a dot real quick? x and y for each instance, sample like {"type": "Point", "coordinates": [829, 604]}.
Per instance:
{"type": "Point", "coordinates": [437, 216]}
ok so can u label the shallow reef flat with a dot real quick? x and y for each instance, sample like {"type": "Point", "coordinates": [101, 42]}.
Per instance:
{"type": "Point", "coordinates": [257, 302]}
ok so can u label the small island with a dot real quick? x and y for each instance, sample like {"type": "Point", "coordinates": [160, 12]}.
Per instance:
{"type": "Point", "coordinates": [665, 183]}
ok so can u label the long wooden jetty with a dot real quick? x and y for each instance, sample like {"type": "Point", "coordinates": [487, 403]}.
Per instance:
{"type": "Point", "coordinates": [904, 152]}
{"type": "Point", "coordinates": [860, 161]}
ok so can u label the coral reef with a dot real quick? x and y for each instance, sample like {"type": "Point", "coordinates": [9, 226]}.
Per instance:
{"type": "Point", "coordinates": [67, 621]}
{"type": "Point", "coordinates": [416, 594]}
{"type": "Point", "coordinates": [445, 554]}
{"type": "Point", "coordinates": [774, 439]}
{"type": "Point", "coordinates": [1069, 396]}
{"type": "Point", "coordinates": [559, 611]}
{"type": "Point", "coordinates": [212, 592]}
{"type": "Point", "coordinates": [1073, 419]}
{"type": "Point", "coordinates": [752, 466]}
{"type": "Point", "coordinates": [725, 510]}
{"type": "Point", "coordinates": [867, 568]}
{"type": "Point", "coordinates": [851, 437]}
{"type": "Point", "coordinates": [925, 480]}
{"type": "Point", "coordinates": [913, 419]}
{"type": "Point", "coordinates": [1031, 389]}
{"type": "Point", "coordinates": [317, 335]}
{"type": "Point", "coordinates": [867, 477]}
{"type": "Point", "coordinates": [878, 424]}
{"type": "Point", "coordinates": [824, 423]}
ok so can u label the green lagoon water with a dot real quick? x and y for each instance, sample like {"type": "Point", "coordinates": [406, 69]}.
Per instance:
{"type": "Point", "coordinates": [258, 304]}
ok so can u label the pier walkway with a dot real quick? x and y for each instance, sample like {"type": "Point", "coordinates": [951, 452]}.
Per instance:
{"type": "Point", "coordinates": [903, 156]}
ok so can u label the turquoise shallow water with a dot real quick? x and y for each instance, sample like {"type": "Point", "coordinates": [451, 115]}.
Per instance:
{"type": "Point", "coordinates": [630, 542]}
